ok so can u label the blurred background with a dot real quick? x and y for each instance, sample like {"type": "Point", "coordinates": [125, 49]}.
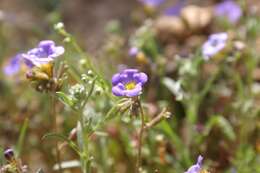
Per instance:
{"type": "Point", "coordinates": [103, 28]}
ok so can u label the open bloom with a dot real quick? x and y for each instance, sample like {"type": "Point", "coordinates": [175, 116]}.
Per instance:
{"type": "Point", "coordinates": [45, 52]}
{"type": "Point", "coordinates": [128, 83]}
{"type": "Point", "coordinates": [229, 9]}
{"type": "Point", "coordinates": [214, 44]}
{"type": "Point", "coordinates": [197, 167]}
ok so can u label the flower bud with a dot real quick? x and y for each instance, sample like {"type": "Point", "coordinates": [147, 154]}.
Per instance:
{"type": "Point", "coordinates": [59, 26]}
{"type": "Point", "coordinates": [9, 154]}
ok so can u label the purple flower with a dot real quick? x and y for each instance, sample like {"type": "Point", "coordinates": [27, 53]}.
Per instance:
{"type": "Point", "coordinates": [43, 54]}
{"type": "Point", "coordinates": [14, 65]}
{"type": "Point", "coordinates": [214, 44]}
{"type": "Point", "coordinates": [133, 51]}
{"type": "Point", "coordinates": [197, 167]}
{"type": "Point", "coordinates": [151, 3]}
{"type": "Point", "coordinates": [128, 83]}
{"type": "Point", "coordinates": [176, 9]}
{"type": "Point", "coordinates": [229, 9]}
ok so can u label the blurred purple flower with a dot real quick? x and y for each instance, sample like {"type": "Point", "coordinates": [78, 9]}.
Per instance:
{"type": "Point", "coordinates": [176, 9]}
{"type": "Point", "coordinates": [197, 167]}
{"type": "Point", "coordinates": [128, 83]}
{"type": "Point", "coordinates": [13, 66]}
{"type": "Point", "coordinates": [151, 3]}
{"type": "Point", "coordinates": [214, 44]}
{"type": "Point", "coordinates": [133, 51]}
{"type": "Point", "coordinates": [229, 9]}
{"type": "Point", "coordinates": [44, 53]}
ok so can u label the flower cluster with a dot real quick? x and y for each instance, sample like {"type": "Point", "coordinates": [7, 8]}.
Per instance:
{"type": "Point", "coordinates": [44, 53]}
{"type": "Point", "coordinates": [128, 83]}
{"type": "Point", "coordinates": [39, 63]}
{"type": "Point", "coordinates": [214, 44]}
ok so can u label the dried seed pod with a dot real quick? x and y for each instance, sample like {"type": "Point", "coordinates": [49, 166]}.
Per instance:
{"type": "Point", "coordinates": [197, 18]}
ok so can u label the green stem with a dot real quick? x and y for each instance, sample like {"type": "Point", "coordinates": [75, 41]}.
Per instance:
{"type": "Point", "coordinates": [84, 156]}
{"type": "Point", "coordinates": [56, 130]}
{"type": "Point", "coordinates": [140, 136]}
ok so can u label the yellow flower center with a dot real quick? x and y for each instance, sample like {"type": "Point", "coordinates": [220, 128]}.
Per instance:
{"type": "Point", "coordinates": [130, 85]}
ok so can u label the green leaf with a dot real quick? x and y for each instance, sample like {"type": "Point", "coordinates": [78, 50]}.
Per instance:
{"type": "Point", "coordinates": [65, 99]}
{"type": "Point", "coordinates": [174, 87]}
{"type": "Point", "coordinates": [223, 124]}
{"type": "Point", "coordinates": [63, 138]}
{"type": "Point", "coordinates": [21, 138]}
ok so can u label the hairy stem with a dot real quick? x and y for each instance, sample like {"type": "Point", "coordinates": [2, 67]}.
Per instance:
{"type": "Point", "coordinates": [140, 136]}
{"type": "Point", "coordinates": [58, 159]}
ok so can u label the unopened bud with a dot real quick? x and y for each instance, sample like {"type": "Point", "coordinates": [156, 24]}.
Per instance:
{"type": "Point", "coordinates": [67, 40]}
{"type": "Point", "coordinates": [9, 154]}
{"type": "Point", "coordinates": [73, 134]}
{"type": "Point", "coordinates": [90, 73]}
{"type": "Point", "coordinates": [167, 115]}
{"type": "Point", "coordinates": [59, 26]}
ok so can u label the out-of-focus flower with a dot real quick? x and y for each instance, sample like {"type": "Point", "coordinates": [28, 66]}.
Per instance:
{"type": "Point", "coordinates": [14, 65]}
{"type": "Point", "coordinates": [133, 51]}
{"type": "Point", "coordinates": [229, 9]}
{"type": "Point", "coordinates": [128, 83]}
{"type": "Point", "coordinates": [151, 3]}
{"type": "Point", "coordinates": [175, 10]}
{"type": "Point", "coordinates": [45, 52]}
{"type": "Point", "coordinates": [197, 167]}
{"type": "Point", "coordinates": [214, 44]}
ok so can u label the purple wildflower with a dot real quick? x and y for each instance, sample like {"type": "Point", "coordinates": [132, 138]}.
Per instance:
{"type": "Point", "coordinates": [128, 83]}
{"type": "Point", "coordinates": [151, 3]}
{"type": "Point", "coordinates": [176, 9]}
{"type": "Point", "coordinates": [229, 9]}
{"type": "Point", "coordinates": [45, 52]}
{"type": "Point", "coordinates": [197, 167]}
{"type": "Point", "coordinates": [214, 44]}
{"type": "Point", "coordinates": [133, 51]}
{"type": "Point", "coordinates": [13, 66]}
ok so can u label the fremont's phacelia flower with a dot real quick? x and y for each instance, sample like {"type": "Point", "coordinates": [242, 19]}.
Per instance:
{"type": "Point", "coordinates": [214, 44]}
{"type": "Point", "coordinates": [128, 83]}
{"type": "Point", "coordinates": [229, 9]}
{"type": "Point", "coordinates": [14, 65]}
{"type": "Point", "coordinates": [151, 3]}
{"type": "Point", "coordinates": [197, 167]}
{"type": "Point", "coordinates": [45, 52]}
{"type": "Point", "coordinates": [176, 9]}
